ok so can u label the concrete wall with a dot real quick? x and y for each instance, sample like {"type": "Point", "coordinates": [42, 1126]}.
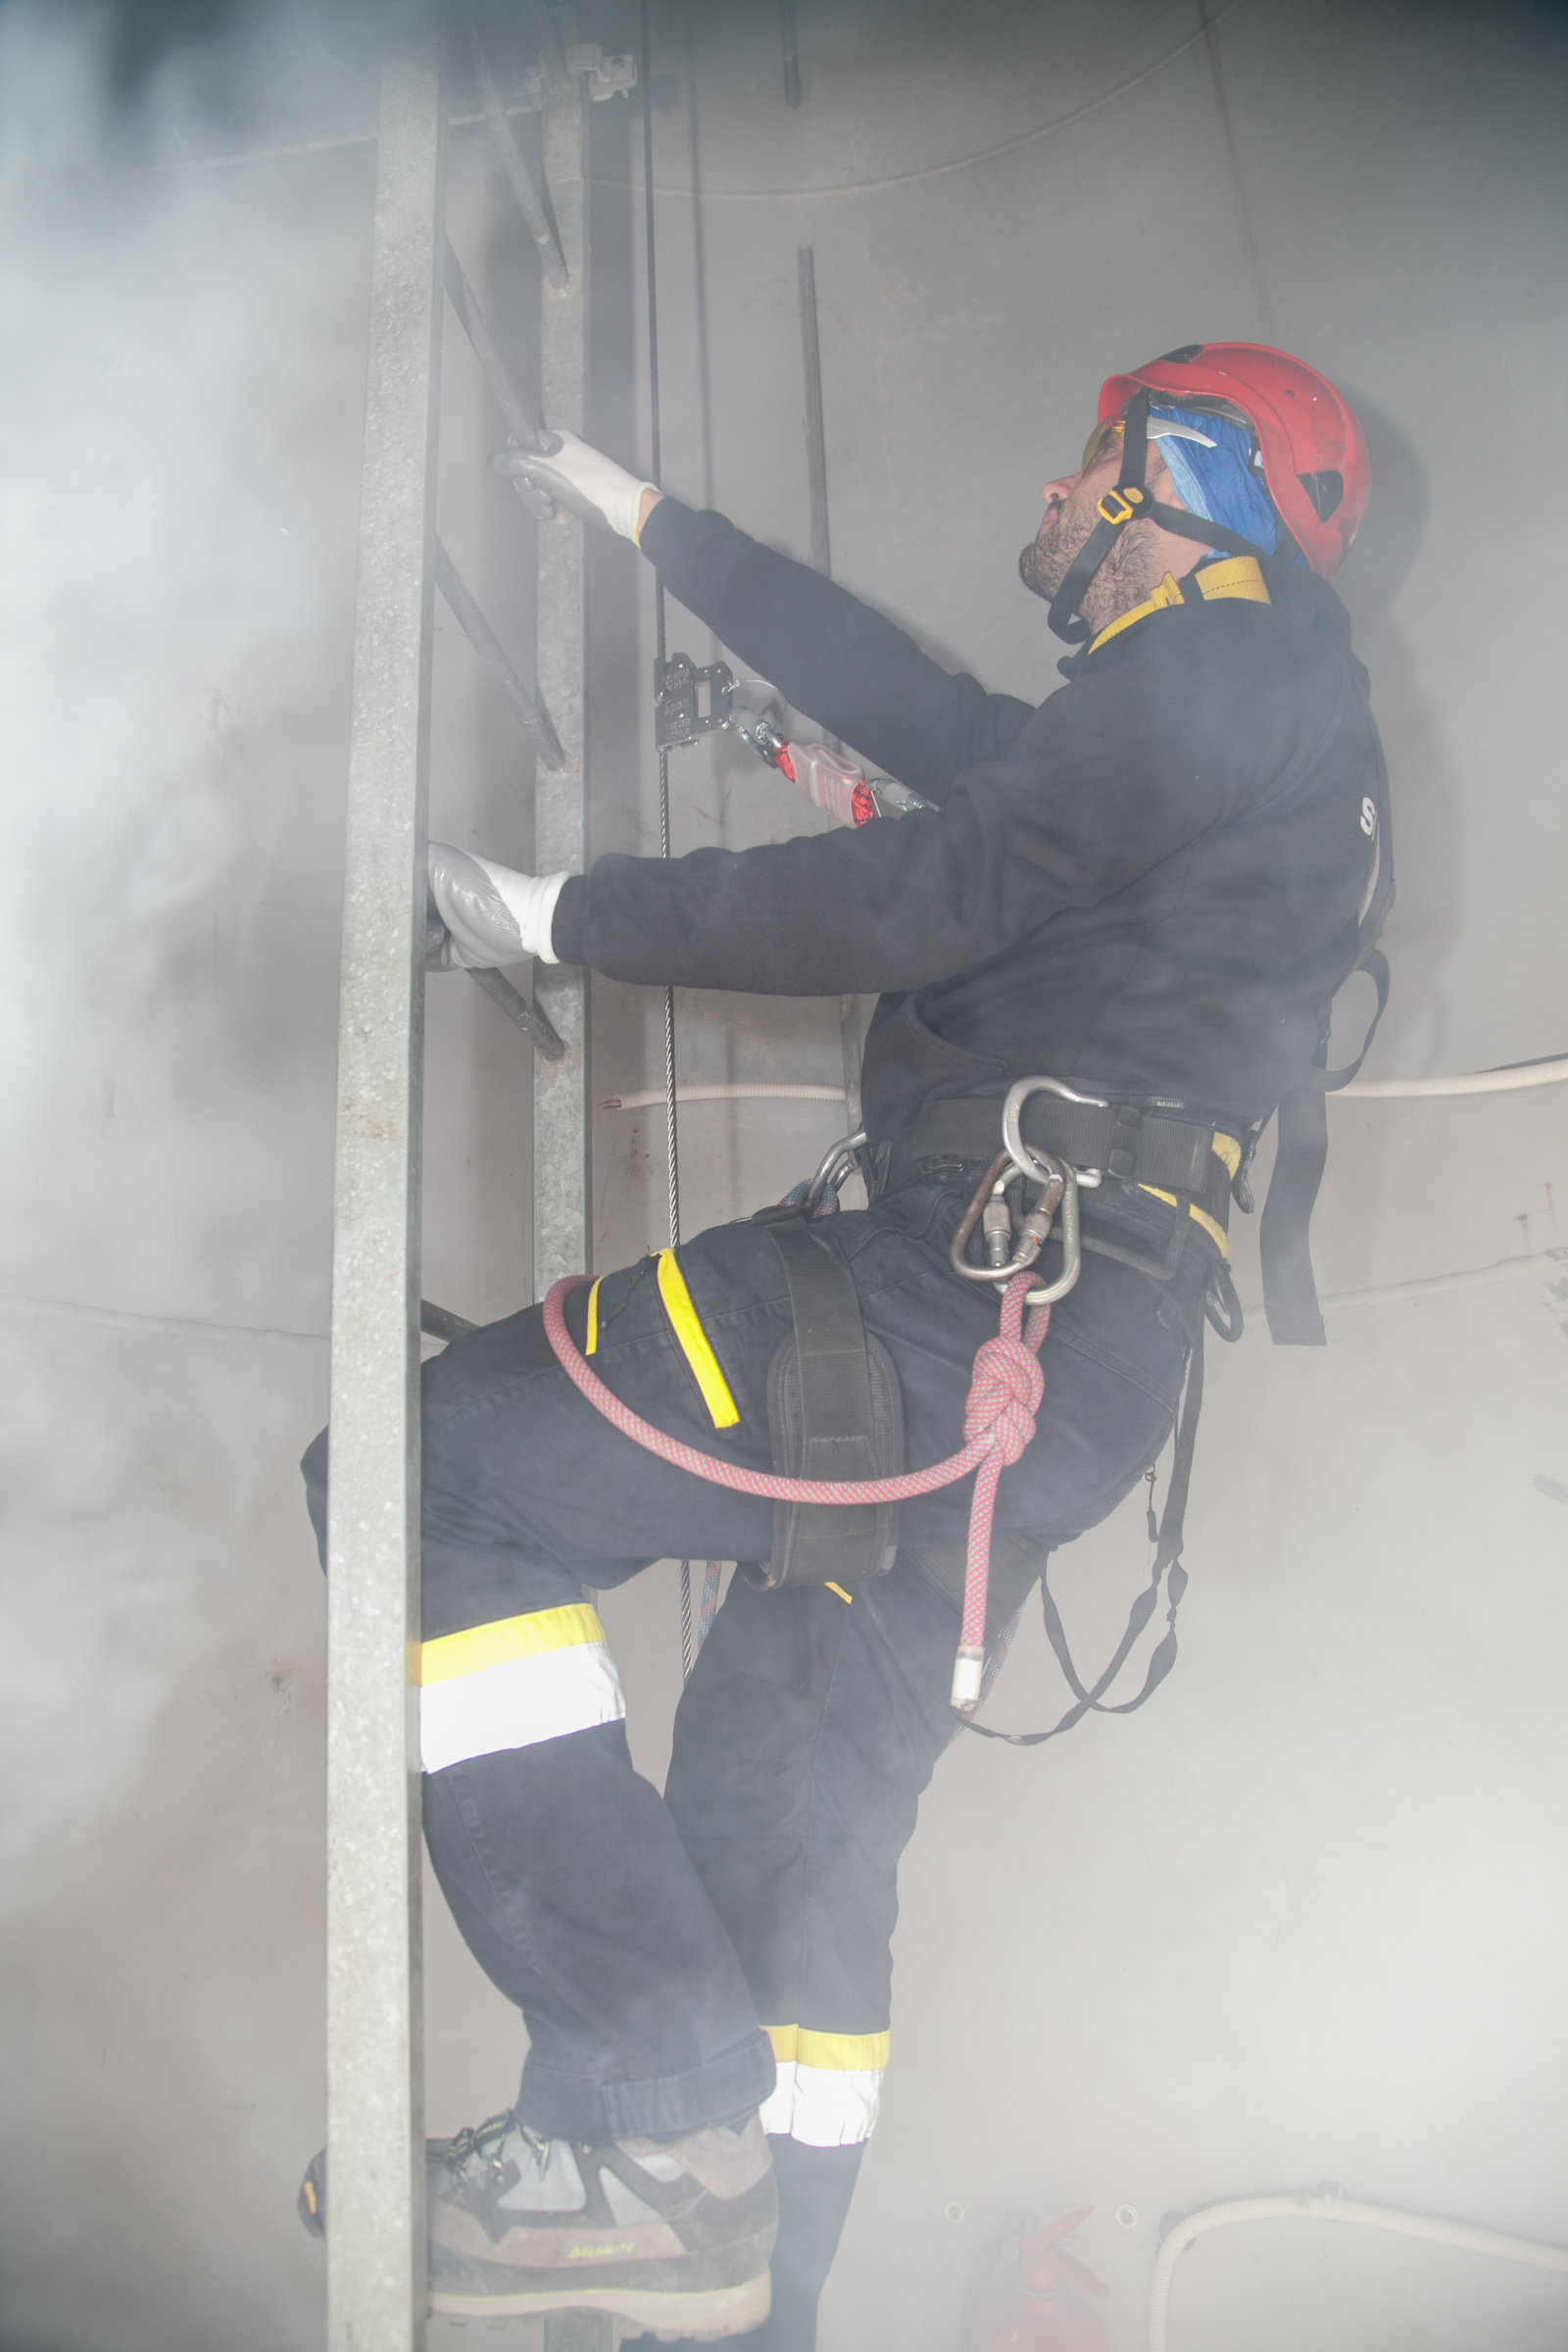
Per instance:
{"type": "Point", "coordinates": [1302, 1917]}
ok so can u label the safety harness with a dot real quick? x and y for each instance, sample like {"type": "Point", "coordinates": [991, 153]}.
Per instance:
{"type": "Point", "coordinates": [834, 1405]}
{"type": "Point", "coordinates": [1116, 1150]}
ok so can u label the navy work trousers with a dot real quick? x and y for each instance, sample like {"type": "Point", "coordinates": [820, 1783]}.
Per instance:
{"type": "Point", "coordinates": [682, 1961]}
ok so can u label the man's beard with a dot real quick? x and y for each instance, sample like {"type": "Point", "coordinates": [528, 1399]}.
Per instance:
{"type": "Point", "coordinates": [1123, 575]}
{"type": "Point", "coordinates": [1044, 563]}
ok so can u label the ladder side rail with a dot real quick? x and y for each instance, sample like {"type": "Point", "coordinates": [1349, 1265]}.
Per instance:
{"type": "Point", "coordinates": [562, 1217]}
{"type": "Point", "coordinates": [375, 2171]}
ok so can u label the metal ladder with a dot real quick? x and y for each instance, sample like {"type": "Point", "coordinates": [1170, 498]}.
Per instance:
{"type": "Point", "coordinates": [375, 2130]}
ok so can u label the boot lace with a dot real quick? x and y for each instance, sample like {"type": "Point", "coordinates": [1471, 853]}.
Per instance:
{"type": "Point", "coordinates": [482, 2143]}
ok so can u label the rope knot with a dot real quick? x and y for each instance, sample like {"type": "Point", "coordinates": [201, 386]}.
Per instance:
{"type": "Point", "coordinates": [1004, 1391]}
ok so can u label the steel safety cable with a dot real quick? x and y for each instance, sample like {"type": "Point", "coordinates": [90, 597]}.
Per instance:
{"type": "Point", "coordinates": [687, 1647]}
{"type": "Point", "coordinates": [654, 455]}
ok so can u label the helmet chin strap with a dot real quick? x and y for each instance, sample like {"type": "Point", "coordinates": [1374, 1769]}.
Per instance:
{"type": "Point", "coordinates": [1127, 503]}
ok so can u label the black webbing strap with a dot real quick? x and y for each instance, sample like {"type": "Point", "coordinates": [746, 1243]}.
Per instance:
{"type": "Point", "coordinates": [1118, 508]}
{"type": "Point", "coordinates": [1167, 1569]}
{"type": "Point", "coordinates": [1128, 1144]}
{"type": "Point", "coordinates": [1284, 1234]}
{"type": "Point", "coordinates": [834, 1412]}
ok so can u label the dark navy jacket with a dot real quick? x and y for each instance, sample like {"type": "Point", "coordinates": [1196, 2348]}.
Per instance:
{"type": "Point", "coordinates": [1147, 886]}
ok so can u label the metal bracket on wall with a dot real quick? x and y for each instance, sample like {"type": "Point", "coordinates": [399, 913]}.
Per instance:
{"type": "Point", "coordinates": [614, 77]}
{"type": "Point", "coordinates": [516, 1007]}
{"type": "Point", "coordinates": [491, 652]}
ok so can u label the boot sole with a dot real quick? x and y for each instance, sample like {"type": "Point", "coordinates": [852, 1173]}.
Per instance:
{"type": "Point", "coordinates": [714, 2312]}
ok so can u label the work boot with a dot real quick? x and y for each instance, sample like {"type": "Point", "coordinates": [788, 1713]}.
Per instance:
{"type": "Point", "coordinates": [814, 2189]}
{"type": "Point", "coordinates": [670, 2236]}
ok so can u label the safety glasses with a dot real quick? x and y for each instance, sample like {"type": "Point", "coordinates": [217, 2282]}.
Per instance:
{"type": "Point", "coordinates": [1110, 435]}
{"type": "Point", "coordinates": [1102, 440]}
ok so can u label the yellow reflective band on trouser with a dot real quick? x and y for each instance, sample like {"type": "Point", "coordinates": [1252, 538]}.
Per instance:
{"type": "Point", "coordinates": [593, 1316]}
{"type": "Point", "coordinates": [829, 2086]}
{"type": "Point", "coordinates": [514, 1682]}
{"type": "Point", "coordinates": [694, 1342]}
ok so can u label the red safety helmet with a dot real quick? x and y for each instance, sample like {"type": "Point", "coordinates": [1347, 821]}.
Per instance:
{"type": "Point", "coordinates": [1314, 452]}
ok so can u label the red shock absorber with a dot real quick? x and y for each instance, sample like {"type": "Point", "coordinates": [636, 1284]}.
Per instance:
{"type": "Point", "coordinates": [829, 779]}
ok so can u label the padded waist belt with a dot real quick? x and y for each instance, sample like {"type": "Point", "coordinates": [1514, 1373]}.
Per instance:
{"type": "Point", "coordinates": [1130, 1145]}
{"type": "Point", "coordinates": [834, 1411]}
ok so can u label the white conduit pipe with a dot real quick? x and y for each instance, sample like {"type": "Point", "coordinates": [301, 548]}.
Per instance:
{"type": "Point", "coordinates": [1478, 1082]}
{"type": "Point", "coordinates": [1365, 1090]}
{"type": "Point", "coordinates": [1328, 2206]}
{"type": "Point", "coordinates": [763, 1091]}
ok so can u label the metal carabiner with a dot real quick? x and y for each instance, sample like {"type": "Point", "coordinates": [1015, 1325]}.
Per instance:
{"type": "Point", "coordinates": [994, 1177]}
{"type": "Point", "coordinates": [1072, 1257]}
{"type": "Point", "coordinates": [839, 1162]}
{"type": "Point", "coordinates": [1059, 1191]}
{"type": "Point", "coordinates": [1023, 1155]}
{"type": "Point", "coordinates": [1046, 1168]}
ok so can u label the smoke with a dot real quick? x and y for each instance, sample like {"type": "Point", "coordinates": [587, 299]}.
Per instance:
{"type": "Point", "coordinates": [181, 375]}
{"type": "Point", "coordinates": [1289, 1922]}
{"type": "Point", "coordinates": [181, 386]}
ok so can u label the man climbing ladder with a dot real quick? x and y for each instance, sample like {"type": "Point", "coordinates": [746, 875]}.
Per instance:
{"type": "Point", "coordinates": [1145, 891]}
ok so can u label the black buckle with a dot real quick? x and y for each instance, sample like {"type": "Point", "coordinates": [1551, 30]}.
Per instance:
{"type": "Point", "coordinates": [1120, 505]}
{"type": "Point", "coordinates": [1127, 1127]}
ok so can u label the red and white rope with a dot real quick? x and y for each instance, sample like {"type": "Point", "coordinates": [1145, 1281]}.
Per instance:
{"type": "Point", "coordinates": [1005, 1393]}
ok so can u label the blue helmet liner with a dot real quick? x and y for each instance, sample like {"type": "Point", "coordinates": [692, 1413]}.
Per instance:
{"type": "Point", "coordinates": [1223, 484]}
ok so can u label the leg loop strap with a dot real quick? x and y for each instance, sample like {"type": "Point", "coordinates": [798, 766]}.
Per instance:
{"type": "Point", "coordinates": [835, 1410]}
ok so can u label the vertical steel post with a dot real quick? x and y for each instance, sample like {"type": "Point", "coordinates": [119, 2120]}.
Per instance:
{"type": "Point", "coordinates": [851, 1043]}
{"type": "Point", "coordinates": [562, 1206]}
{"type": "Point", "coordinates": [821, 558]}
{"type": "Point", "coordinates": [375, 2170]}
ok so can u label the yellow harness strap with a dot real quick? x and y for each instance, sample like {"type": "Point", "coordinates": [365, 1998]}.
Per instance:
{"type": "Point", "coordinates": [1228, 1152]}
{"type": "Point", "coordinates": [694, 1344]}
{"type": "Point", "coordinates": [1238, 576]}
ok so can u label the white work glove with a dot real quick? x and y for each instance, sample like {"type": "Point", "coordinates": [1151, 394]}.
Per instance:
{"type": "Point", "coordinates": [484, 914]}
{"type": "Point", "coordinates": [580, 478]}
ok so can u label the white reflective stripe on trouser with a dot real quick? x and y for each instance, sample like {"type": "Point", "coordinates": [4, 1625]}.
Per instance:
{"type": "Point", "coordinates": [829, 2086]}
{"type": "Point", "coordinates": [514, 1682]}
